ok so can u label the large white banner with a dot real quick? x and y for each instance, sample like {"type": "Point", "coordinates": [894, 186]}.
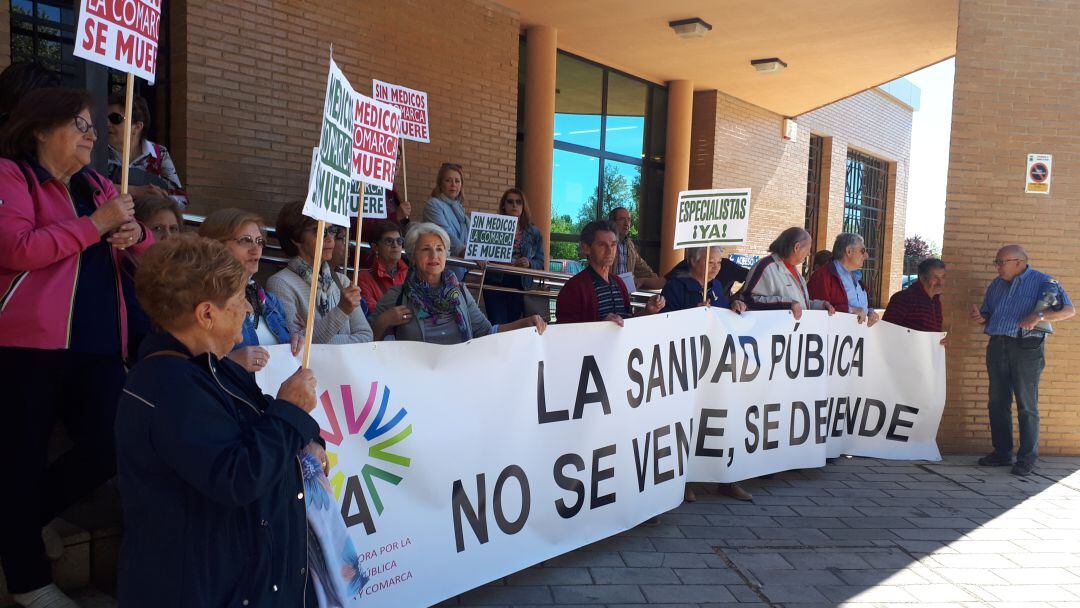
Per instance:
{"type": "Point", "coordinates": [456, 465]}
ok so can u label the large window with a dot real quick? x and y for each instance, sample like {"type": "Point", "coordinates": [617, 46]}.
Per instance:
{"type": "Point", "coordinates": [44, 31]}
{"type": "Point", "coordinates": [609, 152]}
{"type": "Point", "coordinates": [866, 193]}
{"type": "Point", "coordinates": [813, 194]}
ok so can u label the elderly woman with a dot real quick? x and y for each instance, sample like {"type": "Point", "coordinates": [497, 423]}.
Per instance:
{"type": "Point", "coordinates": [840, 281]}
{"type": "Point", "coordinates": [446, 209]}
{"type": "Point", "coordinates": [339, 314]}
{"type": "Point", "coordinates": [528, 252]}
{"type": "Point", "coordinates": [431, 305]}
{"type": "Point", "coordinates": [242, 233]}
{"type": "Point", "coordinates": [387, 269]}
{"type": "Point", "coordinates": [63, 332]}
{"type": "Point", "coordinates": [685, 288]}
{"type": "Point", "coordinates": [161, 215]}
{"type": "Point", "coordinates": [210, 480]}
{"type": "Point", "coordinates": [152, 172]}
{"type": "Point", "coordinates": [774, 282]}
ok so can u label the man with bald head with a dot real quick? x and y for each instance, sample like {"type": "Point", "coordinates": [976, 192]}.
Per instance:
{"type": "Point", "coordinates": [1016, 313]}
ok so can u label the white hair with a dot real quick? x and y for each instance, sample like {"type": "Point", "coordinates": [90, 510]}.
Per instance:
{"type": "Point", "coordinates": [419, 229]}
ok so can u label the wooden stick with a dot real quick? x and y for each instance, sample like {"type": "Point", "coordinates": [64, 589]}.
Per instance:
{"type": "Point", "coordinates": [129, 98]}
{"type": "Point", "coordinates": [708, 279]}
{"type": "Point", "coordinates": [404, 174]}
{"type": "Point", "coordinates": [359, 233]}
{"type": "Point", "coordinates": [346, 269]}
{"type": "Point", "coordinates": [315, 268]}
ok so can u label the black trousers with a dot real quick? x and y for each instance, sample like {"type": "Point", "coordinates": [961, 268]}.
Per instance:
{"type": "Point", "coordinates": [42, 387]}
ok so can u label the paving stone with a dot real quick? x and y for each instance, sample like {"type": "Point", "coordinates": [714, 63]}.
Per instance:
{"type": "Point", "coordinates": [759, 561]}
{"type": "Point", "coordinates": [504, 595]}
{"type": "Point", "coordinates": [597, 594]}
{"type": "Point", "coordinates": [969, 576]}
{"type": "Point", "coordinates": [962, 523]}
{"type": "Point", "coordinates": [1028, 593]}
{"type": "Point", "coordinates": [550, 576]}
{"type": "Point", "coordinates": [581, 559]}
{"type": "Point", "coordinates": [803, 535]}
{"type": "Point", "coordinates": [827, 511]}
{"type": "Point", "coordinates": [1038, 576]}
{"type": "Point", "coordinates": [794, 577]}
{"type": "Point", "coordinates": [682, 545]}
{"type": "Point", "coordinates": [633, 576]}
{"type": "Point", "coordinates": [859, 533]}
{"type": "Point", "coordinates": [885, 576]}
{"type": "Point", "coordinates": [864, 595]}
{"type": "Point", "coordinates": [820, 560]}
{"type": "Point", "coordinates": [939, 593]}
{"type": "Point", "coordinates": [708, 576]}
{"type": "Point", "coordinates": [687, 593]}
{"type": "Point", "coordinates": [691, 532]}
{"type": "Point", "coordinates": [793, 593]}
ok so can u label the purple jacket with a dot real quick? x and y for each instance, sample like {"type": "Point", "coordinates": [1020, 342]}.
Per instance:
{"type": "Point", "coordinates": [41, 242]}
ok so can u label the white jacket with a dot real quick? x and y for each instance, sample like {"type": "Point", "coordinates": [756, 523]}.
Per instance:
{"type": "Point", "coordinates": [771, 286]}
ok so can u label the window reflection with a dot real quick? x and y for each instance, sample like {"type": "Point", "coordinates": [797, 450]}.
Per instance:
{"type": "Point", "coordinates": [625, 127]}
{"type": "Point", "coordinates": [579, 89]}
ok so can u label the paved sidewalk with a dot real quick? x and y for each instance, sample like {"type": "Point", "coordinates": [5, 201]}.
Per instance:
{"type": "Point", "coordinates": [859, 532]}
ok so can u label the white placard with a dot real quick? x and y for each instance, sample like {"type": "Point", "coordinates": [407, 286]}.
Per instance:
{"type": "Point", "coordinates": [491, 237]}
{"type": "Point", "coordinates": [120, 34]}
{"type": "Point", "coordinates": [712, 217]}
{"type": "Point", "coordinates": [413, 105]}
{"type": "Point", "coordinates": [328, 189]}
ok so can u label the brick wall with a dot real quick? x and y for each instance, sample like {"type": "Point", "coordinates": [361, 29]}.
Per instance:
{"type": "Point", "coordinates": [5, 33]}
{"type": "Point", "coordinates": [736, 144]}
{"type": "Point", "coordinates": [1016, 92]}
{"type": "Point", "coordinates": [249, 79]}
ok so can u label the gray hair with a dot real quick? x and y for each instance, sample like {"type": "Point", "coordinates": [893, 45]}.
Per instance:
{"type": "Point", "coordinates": [842, 242]}
{"type": "Point", "coordinates": [929, 265]}
{"type": "Point", "coordinates": [693, 254]}
{"type": "Point", "coordinates": [419, 229]}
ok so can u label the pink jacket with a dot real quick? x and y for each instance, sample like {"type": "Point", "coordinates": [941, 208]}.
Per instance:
{"type": "Point", "coordinates": [41, 244]}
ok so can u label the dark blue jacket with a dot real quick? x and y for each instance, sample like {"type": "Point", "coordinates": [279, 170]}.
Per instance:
{"type": "Point", "coordinates": [683, 291]}
{"type": "Point", "coordinates": [211, 485]}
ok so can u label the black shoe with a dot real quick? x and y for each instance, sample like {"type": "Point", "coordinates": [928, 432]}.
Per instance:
{"type": "Point", "coordinates": [1022, 469]}
{"type": "Point", "coordinates": [994, 460]}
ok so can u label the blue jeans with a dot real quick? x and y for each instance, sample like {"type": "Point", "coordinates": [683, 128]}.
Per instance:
{"type": "Point", "coordinates": [1014, 366]}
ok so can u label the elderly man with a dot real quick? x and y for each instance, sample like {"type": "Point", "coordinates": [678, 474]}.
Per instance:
{"type": "Point", "coordinates": [840, 282]}
{"type": "Point", "coordinates": [1016, 313]}
{"type": "Point", "coordinates": [596, 294]}
{"type": "Point", "coordinates": [919, 306]}
{"type": "Point", "coordinates": [627, 258]}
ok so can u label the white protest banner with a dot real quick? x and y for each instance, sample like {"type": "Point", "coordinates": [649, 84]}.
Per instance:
{"type": "Point", "coordinates": [413, 106]}
{"type": "Point", "coordinates": [120, 34]}
{"type": "Point", "coordinates": [712, 217]}
{"type": "Point", "coordinates": [491, 237]}
{"type": "Point", "coordinates": [590, 429]}
{"type": "Point", "coordinates": [375, 142]}
{"type": "Point", "coordinates": [328, 193]}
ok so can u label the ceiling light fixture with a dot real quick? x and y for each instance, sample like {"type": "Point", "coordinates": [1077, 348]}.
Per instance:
{"type": "Point", "coordinates": [694, 27]}
{"type": "Point", "coordinates": [768, 66]}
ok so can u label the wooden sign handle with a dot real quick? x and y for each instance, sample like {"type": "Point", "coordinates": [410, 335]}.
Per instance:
{"type": "Point", "coordinates": [316, 268]}
{"type": "Point", "coordinates": [129, 96]}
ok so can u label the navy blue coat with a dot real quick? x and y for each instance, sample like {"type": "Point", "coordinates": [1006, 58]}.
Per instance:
{"type": "Point", "coordinates": [683, 291]}
{"type": "Point", "coordinates": [211, 486]}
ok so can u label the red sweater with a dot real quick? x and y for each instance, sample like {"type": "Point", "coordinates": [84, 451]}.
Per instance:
{"type": "Point", "coordinates": [826, 285]}
{"type": "Point", "coordinates": [577, 299]}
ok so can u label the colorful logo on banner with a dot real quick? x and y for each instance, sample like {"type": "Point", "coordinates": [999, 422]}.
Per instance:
{"type": "Point", "coordinates": [357, 491]}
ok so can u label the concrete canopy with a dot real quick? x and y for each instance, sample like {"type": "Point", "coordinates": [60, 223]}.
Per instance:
{"type": "Point", "coordinates": [833, 48]}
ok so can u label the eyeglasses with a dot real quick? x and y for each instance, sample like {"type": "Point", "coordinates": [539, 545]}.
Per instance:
{"type": "Point", "coordinates": [116, 118]}
{"type": "Point", "coordinates": [1003, 262]}
{"type": "Point", "coordinates": [83, 126]}
{"type": "Point", "coordinates": [391, 241]}
{"type": "Point", "coordinates": [250, 241]}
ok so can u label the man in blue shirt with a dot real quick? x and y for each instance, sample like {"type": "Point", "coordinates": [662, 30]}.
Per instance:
{"type": "Point", "coordinates": [1016, 314]}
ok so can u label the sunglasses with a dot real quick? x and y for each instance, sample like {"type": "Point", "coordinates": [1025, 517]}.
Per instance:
{"type": "Point", "coordinates": [249, 241]}
{"type": "Point", "coordinates": [391, 241]}
{"type": "Point", "coordinates": [83, 126]}
{"type": "Point", "coordinates": [116, 118]}
{"type": "Point", "coordinates": [330, 232]}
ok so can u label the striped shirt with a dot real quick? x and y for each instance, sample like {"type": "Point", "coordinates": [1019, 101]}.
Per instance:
{"type": "Point", "coordinates": [1008, 302]}
{"type": "Point", "coordinates": [913, 308]}
{"type": "Point", "coordinates": [608, 296]}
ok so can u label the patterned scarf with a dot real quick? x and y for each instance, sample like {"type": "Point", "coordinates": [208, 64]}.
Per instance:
{"type": "Point", "coordinates": [257, 298]}
{"type": "Point", "coordinates": [326, 282]}
{"type": "Point", "coordinates": [430, 301]}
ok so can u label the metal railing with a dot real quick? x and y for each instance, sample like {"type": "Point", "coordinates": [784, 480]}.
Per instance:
{"type": "Point", "coordinates": [546, 284]}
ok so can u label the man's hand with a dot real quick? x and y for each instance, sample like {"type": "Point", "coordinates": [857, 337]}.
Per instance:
{"type": "Point", "coordinates": [977, 316]}
{"type": "Point", "coordinates": [796, 310]}
{"type": "Point", "coordinates": [738, 306]}
{"type": "Point", "coordinates": [614, 318]}
{"type": "Point", "coordinates": [872, 318]}
{"type": "Point", "coordinates": [829, 309]}
{"type": "Point", "coordinates": [1029, 322]}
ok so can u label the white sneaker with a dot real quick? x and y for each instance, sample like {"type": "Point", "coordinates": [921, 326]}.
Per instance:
{"type": "Point", "coordinates": [54, 543]}
{"type": "Point", "coordinates": [48, 596]}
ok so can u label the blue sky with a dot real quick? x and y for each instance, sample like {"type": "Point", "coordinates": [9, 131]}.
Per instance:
{"type": "Point", "coordinates": [929, 169]}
